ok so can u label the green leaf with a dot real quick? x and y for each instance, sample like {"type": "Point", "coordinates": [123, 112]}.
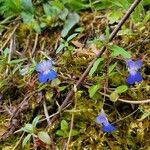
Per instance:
{"type": "Point", "coordinates": [80, 29]}
{"type": "Point", "coordinates": [27, 17]}
{"type": "Point", "coordinates": [93, 89]}
{"type": "Point", "coordinates": [74, 132]}
{"type": "Point", "coordinates": [44, 137]}
{"type": "Point", "coordinates": [46, 8]}
{"type": "Point", "coordinates": [72, 20]}
{"type": "Point", "coordinates": [62, 88]}
{"type": "Point", "coordinates": [60, 133]}
{"type": "Point", "coordinates": [28, 128]}
{"type": "Point", "coordinates": [121, 3]}
{"type": "Point", "coordinates": [52, 10]}
{"type": "Point", "coordinates": [16, 61]}
{"type": "Point", "coordinates": [121, 89]}
{"type": "Point", "coordinates": [136, 15]}
{"type": "Point", "coordinates": [125, 32]}
{"type": "Point", "coordinates": [64, 125]}
{"type": "Point", "coordinates": [10, 8]}
{"type": "Point", "coordinates": [25, 140]}
{"type": "Point", "coordinates": [76, 5]}
{"type": "Point", "coordinates": [55, 83]}
{"type": "Point", "coordinates": [36, 120]}
{"type": "Point", "coordinates": [71, 37]}
{"type": "Point", "coordinates": [147, 17]}
{"type": "Point", "coordinates": [144, 115]}
{"type": "Point", "coordinates": [94, 68]}
{"type": "Point", "coordinates": [63, 14]}
{"type": "Point", "coordinates": [107, 32]}
{"type": "Point", "coordinates": [36, 26]}
{"type": "Point", "coordinates": [114, 16]}
{"type": "Point", "coordinates": [60, 48]}
{"type": "Point", "coordinates": [27, 6]}
{"type": "Point", "coordinates": [41, 87]}
{"type": "Point", "coordinates": [146, 2]}
{"type": "Point", "coordinates": [114, 96]}
{"type": "Point", "coordinates": [5, 52]}
{"type": "Point", "coordinates": [111, 67]}
{"type": "Point", "coordinates": [119, 51]}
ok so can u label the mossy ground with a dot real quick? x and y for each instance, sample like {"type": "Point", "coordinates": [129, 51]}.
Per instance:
{"type": "Point", "coordinates": [131, 121]}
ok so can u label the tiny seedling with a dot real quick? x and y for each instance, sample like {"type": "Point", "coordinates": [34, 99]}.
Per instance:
{"type": "Point", "coordinates": [64, 130]}
{"type": "Point", "coordinates": [32, 132]}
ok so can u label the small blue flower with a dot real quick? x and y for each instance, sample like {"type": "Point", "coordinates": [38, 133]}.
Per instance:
{"type": "Point", "coordinates": [134, 74]}
{"type": "Point", "coordinates": [103, 121]}
{"type": "Point", "coordinates": [45, 71]}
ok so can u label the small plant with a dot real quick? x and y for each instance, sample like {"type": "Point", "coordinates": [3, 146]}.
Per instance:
{"type": "Point", "coordinates": [33, 133]}
{"type": "Point", "coordinates": [64, 130]}
{"type": "Point", "coordinates": [65, 44]}
{"type": "Point", "coordinates": [119, 90]}
{"type": "Point", "coordinates": [86, 79]}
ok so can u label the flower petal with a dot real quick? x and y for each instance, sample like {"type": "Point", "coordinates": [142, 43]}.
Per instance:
{"type": "Point", "coordinates": [138, 64]}
{"type": "Point", "coordinates": [108, 128]}
{"type": "Point", "coordinates": [101, 119]}
{"type": "Point", "coordinates": [47, 75]}
{"type": "Point", "coordinates": [129, 63]}
{"type": "Point", "coordinates": [52, 74]}
{"type": "Point", "coordinates": [132, 78]}
{"type": "Point", "coordinates": [45, 65]}
{"type": "Point", "coordinates": [43, 77]}
{"type": "Point", "coordinates": [134, 64]}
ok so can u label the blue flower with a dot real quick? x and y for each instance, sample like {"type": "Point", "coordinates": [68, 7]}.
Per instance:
{"type": "Point", "coordinates": [134, 74]}
{"type": "Point", "coordinates": [45, 71]}
{"type": "Point", "coordinates": [103, 121]}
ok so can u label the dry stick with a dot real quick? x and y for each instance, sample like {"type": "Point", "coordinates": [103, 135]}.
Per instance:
{"type": "Point", "coordinates": [9, 37]}
{"type": "Point", "coordinates": [128, 101]}
{"type": "Point", "coordinates": [134, 102]}
{"type": "Point", "coordinates": [71, 127]}
{"type": "Point", "coordinates": [17, 144]}
{"type": "Point", "coordinates": [112, 35]}
{"type": "Point", "coordinates": [11, 47]}
{"type": "Point", "coordinates": [35, 43]}
{"type": "Point", "coordinates": [46, 113]}
{"type": "Point", "coordinates": [106, 75]}
{"type": "Point", "coordinates": [72, 120]}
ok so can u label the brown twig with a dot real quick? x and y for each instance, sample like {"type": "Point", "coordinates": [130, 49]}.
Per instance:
{"type": "Point", "coordinates": [71, 127]}
{"type": "Point", "coordinates": [72, 121]}
{"type": "Point", "coordinates": [18, 142]}
{"type": "Point", "coordinates": [35, 43]}
{"type": "Point", "coordinates": [128, 101]}
{"type": "Point", "coordinates": [9, 55]}
{"type": "Point", "coordinates": [46, 113]}
{"type": "Point", "coordinates": [51, 116]}
{"type": "Point", "coordinates": [107, 75]}
{"type": "Point", "coordinates": [9, 37]}
{"type": "Point", "coordinates": [112, 35]}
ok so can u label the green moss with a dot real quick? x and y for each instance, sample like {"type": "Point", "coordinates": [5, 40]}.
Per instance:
{"type": "Point", "coordinates": [133, 130]}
